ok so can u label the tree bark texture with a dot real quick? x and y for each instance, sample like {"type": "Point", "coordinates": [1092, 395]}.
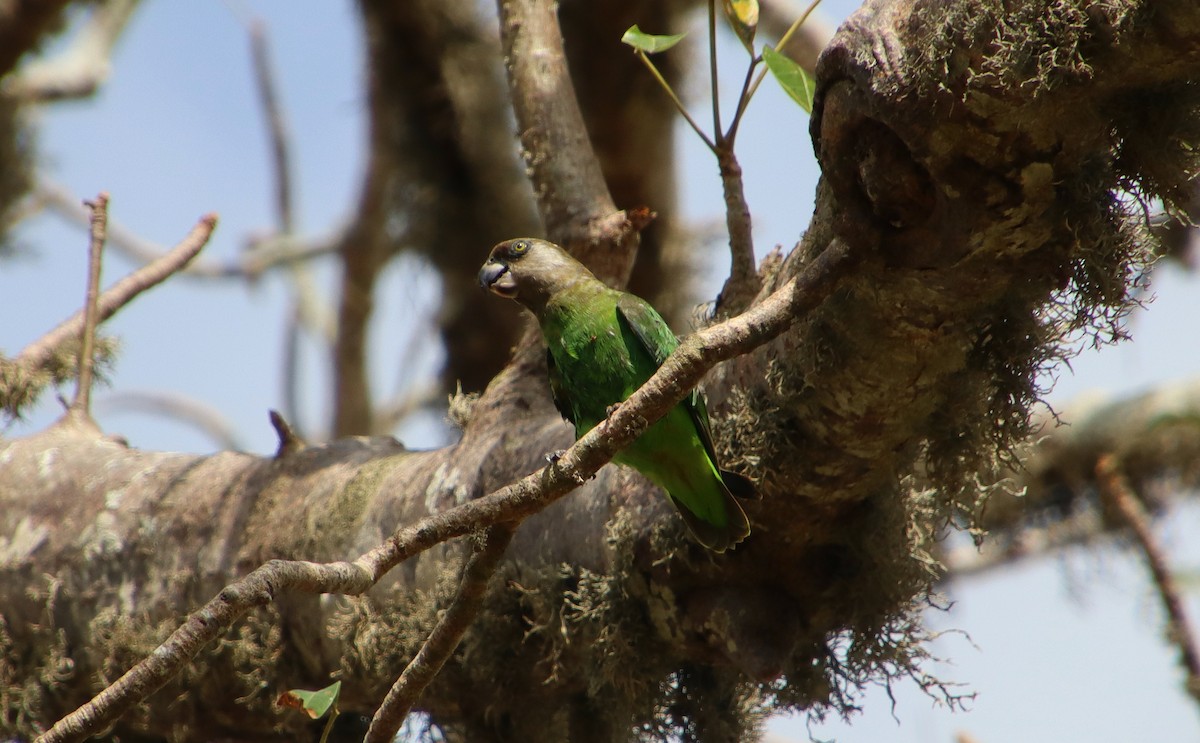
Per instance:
{"type": "Point", "coordinates": [971, 152]}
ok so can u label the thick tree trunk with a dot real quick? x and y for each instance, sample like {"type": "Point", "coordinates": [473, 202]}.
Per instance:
{"type": "Point", "coordinates": [971, 155]}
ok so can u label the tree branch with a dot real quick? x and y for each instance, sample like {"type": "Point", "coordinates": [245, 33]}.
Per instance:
{"type": "Point", "coordinates": [23, 26]}
{"type": "Point", "coordinates": [260, 255]}
{"type": "Point", "coordinates": [1116, 490]}
{"type": "Point", "coordinates": [512, 503]}
{"type": "Point", "coordinates": [80, 70]}
{"type": "Point", "coordinates": [80, 410]}
{"type": "Point", "coordinates": [120, 294]}
{"type": "Point", "coordinates": [444, 638]}
{"type": "Point", "coordinates": [179, 407]}
{"type": "Point", "coordinates": [277, 129]}
{"type": "Point", "coordinates": [568, 185]}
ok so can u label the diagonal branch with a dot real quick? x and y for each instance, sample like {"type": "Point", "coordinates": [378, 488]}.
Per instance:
{"type": "Point", "coordinates": [260, 255]}
{"type": "Point", "coordinates": [201, 416]}
{"type": "Point", "coordinates": [1117, 491]}
{"type": "Point", "coordinates": [444, 638]}
{"type": "Point", "coordinates": [38, 354]}
{"type": "Point", "coordinates": [512, 503]}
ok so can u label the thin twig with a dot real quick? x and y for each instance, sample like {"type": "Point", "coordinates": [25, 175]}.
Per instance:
{"type": "Point", "coordinates": [1117, 491]}
{"type": "Point", "coordinates": [682, 371]}
{"type": "Point", "coordinates": [308, 307]}
{"type": "Point", "coordinates": [179, 407]}
{"type": "Point", "coordinates": [662, 81]}
{"type": "Point", "coordinates": [81, 407]}
{"type": "Point", "coordinates": [712, 70]}
{"type": "Point", "coordinates": [276, 127]}
{"type": "Point", "coordinates": [444, 638]}
{"type": "Point", "coordinates": [803, 43]}
{"type": "Point", "coordinates": [262, 254]}
{"type": "Point", "coordinates": [39, 353]}
{"type": "Point", "coordinates": [743, 100]}
{"type": "Point", "coordinates": [782, 43]}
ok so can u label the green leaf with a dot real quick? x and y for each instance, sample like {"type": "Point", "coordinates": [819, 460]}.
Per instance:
{"type": "Point", "coordinates": [743, 16]}
{"type": "Point", "coordinates": [798, 83]}
{"type": "Point", "coordinates": [650, 43]}
{"type": "Point", "coordinates": [314, 703]}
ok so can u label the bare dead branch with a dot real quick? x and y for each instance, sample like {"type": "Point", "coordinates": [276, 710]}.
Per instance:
{"type": "Point", "coordinates": [262, 254]}
{"type": "Point", "coordinates": [444, 638]}
{"type": "Point", "coordinates": [1117, 492]}
{"type": "Point", "coordinates": [675, 378]}
{"type": "Point", "coordinates": [309, 309]}
{"type": "Point", "coordinates": [179, 407]}
{"type": "Point", "coordinates": [37, 354]}
{"type": "Point", "coordinates": [81, 407]}
{"type": "Point", "coordinates": [277, 128]}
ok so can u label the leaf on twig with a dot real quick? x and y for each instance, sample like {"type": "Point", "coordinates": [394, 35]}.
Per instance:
{"type": "Point", "coordinates": [792, 77]}
{"type": "Point", "coordinates": [743, 16]}
{"type": "Point", "coordinates": [650, 43]}
{"type": "Point", "coordinates": [314, 703]}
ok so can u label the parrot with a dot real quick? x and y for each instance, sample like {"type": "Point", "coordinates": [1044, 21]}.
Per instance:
{"type": "Point", "coordinates": [602, 344]}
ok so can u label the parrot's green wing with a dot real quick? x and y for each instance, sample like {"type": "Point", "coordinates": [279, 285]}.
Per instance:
{"type": "Point", "coordinates": [659, 342]}
{"type": "Point", "coordinates": [558, 389]}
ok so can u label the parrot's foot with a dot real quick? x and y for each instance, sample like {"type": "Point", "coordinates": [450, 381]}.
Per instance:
{"type": "Point", "coordinates": [611, 409]}
{"type": "Point", "coordinates": [554, 456]}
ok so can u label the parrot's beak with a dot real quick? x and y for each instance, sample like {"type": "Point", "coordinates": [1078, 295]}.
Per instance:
{"type": "Point", "coordinates": [498, 279]}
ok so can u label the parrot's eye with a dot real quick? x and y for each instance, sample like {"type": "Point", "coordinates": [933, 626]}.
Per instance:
{"type": "Point", "coordinates": [520, 247]}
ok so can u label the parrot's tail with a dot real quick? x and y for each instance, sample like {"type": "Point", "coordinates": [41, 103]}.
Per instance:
{"type": "Point", "coordinates": [721, 537]}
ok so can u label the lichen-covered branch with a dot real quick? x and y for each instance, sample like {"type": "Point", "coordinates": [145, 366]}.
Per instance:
{"type": "Point", "coordinates": [1054, 504]}
{"type": "Point", "coordinates": [971, 152]}
{"type": "Point", "coordinates": [513, 502]}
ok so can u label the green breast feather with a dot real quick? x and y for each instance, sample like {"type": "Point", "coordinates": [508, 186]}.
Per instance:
{"type": "Point", "coordinates": [601, 346]}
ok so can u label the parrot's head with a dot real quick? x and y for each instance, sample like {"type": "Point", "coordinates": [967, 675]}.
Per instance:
{"type": "Point", "coordinates": [530, 271]}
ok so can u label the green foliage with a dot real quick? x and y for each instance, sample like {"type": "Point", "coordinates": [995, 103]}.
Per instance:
{"type": "Point", "coordinates": [314, 703]}
{"type": "Point", "coordinates": [650, 43]}
{"type": "Point", "coordinates": [743, 17]}
{"type": "Point", "coordinates": [792, 77]}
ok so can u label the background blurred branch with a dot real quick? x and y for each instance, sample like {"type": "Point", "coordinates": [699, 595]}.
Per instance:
{"type": "Point", "coordinates": [80, 69]}
{"type": "Point", "coordinates": [26, 374]}
{"type": "Point", "coordinates": [175, 406]}
{"type": "Point", "coordinates": [264, 254]}
{"type": "Point", "coordinates": [1116, 490]}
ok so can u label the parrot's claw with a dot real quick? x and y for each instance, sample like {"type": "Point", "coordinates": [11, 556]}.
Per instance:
{"type": "Point", "coordinates": [611, 409]}
{"type": "Point", "coordinates": [554, 456]}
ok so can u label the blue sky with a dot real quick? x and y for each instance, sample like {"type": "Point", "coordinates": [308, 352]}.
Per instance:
{"type": "Point", "coordinates": [1064, 648]}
